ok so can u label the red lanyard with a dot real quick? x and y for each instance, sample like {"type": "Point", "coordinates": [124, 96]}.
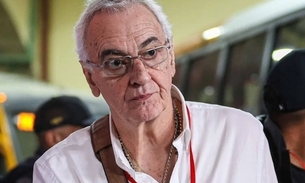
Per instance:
{"type": "Point", "coordinates": [129, 178]}
{"type": "Point", "coordinates": [192, 163]}
{"type": "Point", "coordinates": [299, 159]}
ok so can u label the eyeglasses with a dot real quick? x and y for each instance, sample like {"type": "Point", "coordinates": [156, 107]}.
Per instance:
{"type": "Point", "coordinates": [151, 58]}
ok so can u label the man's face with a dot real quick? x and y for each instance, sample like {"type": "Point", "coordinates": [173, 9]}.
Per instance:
{"type": "Point", "coordinates": [143, 93]}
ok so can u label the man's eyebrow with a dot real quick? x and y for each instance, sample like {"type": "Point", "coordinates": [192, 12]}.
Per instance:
{"type": "Point", "coordinates": [111, 52]}
{"type": "Point", "coordinates": [148, 41]}
{"type": "Point", "coordinates": [122, 53]}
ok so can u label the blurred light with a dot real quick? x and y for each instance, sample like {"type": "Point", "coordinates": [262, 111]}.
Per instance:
{"type": "Point", "coordinates": [280, 53]}
{"type": "Point", "coordinates": [25, 121]}
{"type": "Point", "coordinates": [212, 33]}
{"type": "Point", "coordinates": [3, 97]}
{"type": "Point", "coordinates": [209, 90]}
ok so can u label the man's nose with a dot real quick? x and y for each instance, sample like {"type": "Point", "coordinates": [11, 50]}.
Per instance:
{"type": "Point", "coordinates": [139, 72]}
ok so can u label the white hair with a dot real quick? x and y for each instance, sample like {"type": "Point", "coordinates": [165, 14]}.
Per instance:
{"type": "Point", "coordinates": [113, 6]}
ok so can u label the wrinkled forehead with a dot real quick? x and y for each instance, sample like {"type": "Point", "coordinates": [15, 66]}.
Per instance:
{"type": "Point", "coordinates": [135, 21]}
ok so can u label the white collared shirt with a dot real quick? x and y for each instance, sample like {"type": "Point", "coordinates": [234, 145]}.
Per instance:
{"type": "Point", "coordinates": [228, 146]}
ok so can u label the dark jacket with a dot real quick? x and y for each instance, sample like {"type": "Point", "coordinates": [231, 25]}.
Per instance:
{"type": "Point", "coordinates": [285, 171]}
{"type": "Point", "coordinates": [23, 173]}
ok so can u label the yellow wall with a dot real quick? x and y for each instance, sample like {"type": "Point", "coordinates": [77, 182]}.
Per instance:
{"type": "Point", "coordinates": [64, 65]}
{"type": "Point", "coordinates": [189, 19]}
{"type": "Point", "coordinates": [19, 14]}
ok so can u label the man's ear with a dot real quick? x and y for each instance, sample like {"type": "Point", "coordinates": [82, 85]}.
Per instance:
{"type": "Point", "coordinates": [88, 74]}
{"type": "Point", "coordinates": [172, 61]}
{"type": "Point", "coordinates": [50, 138]}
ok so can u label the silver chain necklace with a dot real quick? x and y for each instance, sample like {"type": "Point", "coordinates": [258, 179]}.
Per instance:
{"type": "Point", "coordinates": [178, 130]}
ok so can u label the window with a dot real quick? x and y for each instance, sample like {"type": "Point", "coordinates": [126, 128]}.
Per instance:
{"type": "Point", "coordinates": [201, 85]}
{"type": "Point", "coordinates": [242, 88]}
{"type": "Point", "coordinates": [291, 36]}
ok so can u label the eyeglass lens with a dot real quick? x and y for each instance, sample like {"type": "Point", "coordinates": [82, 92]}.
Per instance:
{"type": "Point", "coordinates": [151, 58]}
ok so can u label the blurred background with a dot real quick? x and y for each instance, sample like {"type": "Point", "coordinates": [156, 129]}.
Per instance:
{"type": "Point", "coordinates": [224, 50]}
{"type": "Point", "coordinates": [36, 36]}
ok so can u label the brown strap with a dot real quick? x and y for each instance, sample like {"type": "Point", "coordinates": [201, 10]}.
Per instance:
{"type": "Point", "coordinates": [101, 143]}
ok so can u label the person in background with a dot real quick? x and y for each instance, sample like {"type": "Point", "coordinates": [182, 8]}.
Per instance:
{"type": "Point", "coordinates": [54, 121]}
{"type": "Point", "coordinates": [284, 126]}
{"type": "Point", "coordinates": [152, 134]}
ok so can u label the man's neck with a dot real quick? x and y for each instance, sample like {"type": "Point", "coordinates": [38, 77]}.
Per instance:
{"type": "Point", "coordinates": [294, 138]}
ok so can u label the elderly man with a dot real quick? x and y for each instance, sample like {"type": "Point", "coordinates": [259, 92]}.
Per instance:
{"type": "Point", "coordinates": [152, 134]}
